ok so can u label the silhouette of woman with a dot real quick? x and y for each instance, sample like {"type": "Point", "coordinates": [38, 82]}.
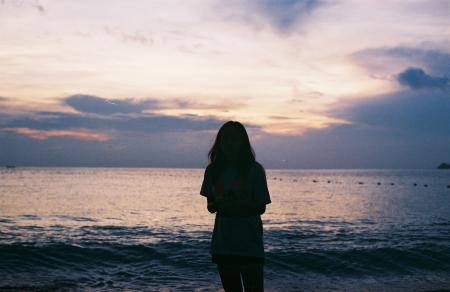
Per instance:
{"type": "Point", "coordinates": [235, 186]}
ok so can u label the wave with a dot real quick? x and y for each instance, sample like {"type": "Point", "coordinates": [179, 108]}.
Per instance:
{"type": "Point", "coordinates": [141, 258]}
{"type": "Point", "coordinates": [179, 255]}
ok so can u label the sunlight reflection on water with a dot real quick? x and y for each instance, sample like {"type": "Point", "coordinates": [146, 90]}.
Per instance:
{"type": "Point", "coordinates": [324, 223]}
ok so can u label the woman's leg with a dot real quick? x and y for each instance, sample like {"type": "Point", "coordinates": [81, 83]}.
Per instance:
{"type": "Point", "coordinates": [230, 277]}
{"type": "Point", "coordinates": [253, 277]}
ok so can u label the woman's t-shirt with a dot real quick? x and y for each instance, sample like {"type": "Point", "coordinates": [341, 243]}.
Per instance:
{"type": "Point", "coordinates": [238, 235]}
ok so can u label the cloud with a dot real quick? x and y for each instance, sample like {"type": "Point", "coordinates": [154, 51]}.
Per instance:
{"type": "Point", "coordinates": [146, 123]}
{"type": "Point", "coordinates": [416, 78]}
{"type": "Point", "coordinates": [282, 15]}
{"type": "Point", "coordinates": [424, 110]}
{"type": "Point", "coordinates": [82, 134]}
{"type": "Point", "coordinates": [134, 37]}
{"type": "Point", "coordinates": [413, 111]}
{"type": "Point", "coordinates": [403, 129]}
{"type": "Point", "coordinates": [35, 4]}
{"type": "Point", "coordinates": [285, 14]}
{"type": "Point", "coordinates": [99, 105]}
{"type": "Point", "coordinates": [101, 115]}
{"type": "Point", "coordinates": [407, 129]}
{"type": "Point", "coordinates": [38, 6]}
{"type": "Point", "coordinates": [389, 59]}
{"type": "Point", "coordinates": [354, 146]}
{"type": "Point", "coordinates": [127, 149]}
{"type": "Point", "coordinates": [128, 136]}
{"type": "Point", "coordinates": [98, 117]}
{"type": "Point", "coordinates": [178, 103]}
{"type": "Point", "coordinates": [93, 104]}
{"type": "Point", "coordinates": [281, 118]}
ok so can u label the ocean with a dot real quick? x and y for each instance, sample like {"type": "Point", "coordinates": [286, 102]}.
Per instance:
{"type": "Point", "coordinates": [148, 229]}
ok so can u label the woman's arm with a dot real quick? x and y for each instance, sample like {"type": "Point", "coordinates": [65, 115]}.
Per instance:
{"type": "Point", "coordinates": [251, 207]}
{"type": "Point", "coordinates": [232, 204]}
{"type": "Point", "coordinates": [211, 206]}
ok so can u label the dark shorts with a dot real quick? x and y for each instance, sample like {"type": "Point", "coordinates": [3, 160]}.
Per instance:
{"type": "Point", "coordinates": [234, 259]}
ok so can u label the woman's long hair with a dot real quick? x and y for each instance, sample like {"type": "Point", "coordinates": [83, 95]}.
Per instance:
{"type": "Point", "coordinates": [246, 154]}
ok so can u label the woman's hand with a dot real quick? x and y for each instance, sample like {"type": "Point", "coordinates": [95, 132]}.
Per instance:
{"type": "Point", "coordinates": [224, 203]}
{"type": "Point", "coordinates": [220, 203]}
{"type": "Point", "coordinates": [237, 203]}
{"type": "Point", "coordinates": [212, 208]}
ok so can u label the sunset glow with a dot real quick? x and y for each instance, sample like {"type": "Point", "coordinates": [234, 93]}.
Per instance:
{"type": "Point", "coordinates": [287, 68]}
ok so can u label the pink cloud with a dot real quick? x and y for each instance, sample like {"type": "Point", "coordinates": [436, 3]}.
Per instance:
{"type": "Point", "coordinates": [83, 134]}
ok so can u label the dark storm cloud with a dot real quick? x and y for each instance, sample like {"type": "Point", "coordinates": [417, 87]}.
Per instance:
{"type": "Point", "coordinates": [99, 105]}
{"type": "Point", "coordinates": [416, 78]}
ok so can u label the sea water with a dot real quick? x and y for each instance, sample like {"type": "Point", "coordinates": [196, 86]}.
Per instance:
{"type": "Point", "coordinates": [148, 229]}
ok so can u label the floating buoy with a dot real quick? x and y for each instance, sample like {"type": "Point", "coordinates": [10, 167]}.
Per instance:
{"type": "Point", "coordinates": [415, 184]}
{"type": "Point", "coordinates": [378, 183]}
{"type": "Point", "coordinates": [314, 181]}
{"type": "Point", "coordinates": [329, 181]}
{"type": "Point", "coordinates": [448, 187]}
{"type": "Point", "coordinates": [425, 185]}
{"type": "Point", "coordinates": [392, 184]}
{"type": "Point", "coordinates": [360, 182]}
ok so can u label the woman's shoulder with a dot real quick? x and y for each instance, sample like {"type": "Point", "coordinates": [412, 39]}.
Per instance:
{"type": "Point", "coordinates": [208, 170]}
{"type": "Point", "coordinates": [257, 167]}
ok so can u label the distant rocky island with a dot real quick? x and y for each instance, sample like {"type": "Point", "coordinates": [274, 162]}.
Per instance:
{"type": "Point", "coordinates": [444, 166]}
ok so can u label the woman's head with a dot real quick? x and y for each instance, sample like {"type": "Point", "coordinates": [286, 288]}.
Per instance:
{"type": "Point", "coordinates": [231, 144]}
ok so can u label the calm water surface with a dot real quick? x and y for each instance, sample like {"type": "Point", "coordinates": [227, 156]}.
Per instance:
{"type": "Point", "coordinates": [148, 229]}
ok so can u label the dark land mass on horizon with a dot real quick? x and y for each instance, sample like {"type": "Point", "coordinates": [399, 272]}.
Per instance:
{"type": "Point", "coordinates": [444, 166]}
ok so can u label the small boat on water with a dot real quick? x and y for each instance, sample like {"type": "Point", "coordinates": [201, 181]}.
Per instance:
{"type": "Point", "coordinates": [10, 166]}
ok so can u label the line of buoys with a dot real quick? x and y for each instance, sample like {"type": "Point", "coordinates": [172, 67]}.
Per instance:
{"type": "Point", "coordinates": [359, 182]}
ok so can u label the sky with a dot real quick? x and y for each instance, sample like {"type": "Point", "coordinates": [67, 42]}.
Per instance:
{"type": "Point", "coordinates": [316, 83]}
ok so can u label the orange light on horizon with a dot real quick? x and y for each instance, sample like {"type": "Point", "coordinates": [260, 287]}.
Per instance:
{"type": "Point", "coordinates": [80, 133]}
